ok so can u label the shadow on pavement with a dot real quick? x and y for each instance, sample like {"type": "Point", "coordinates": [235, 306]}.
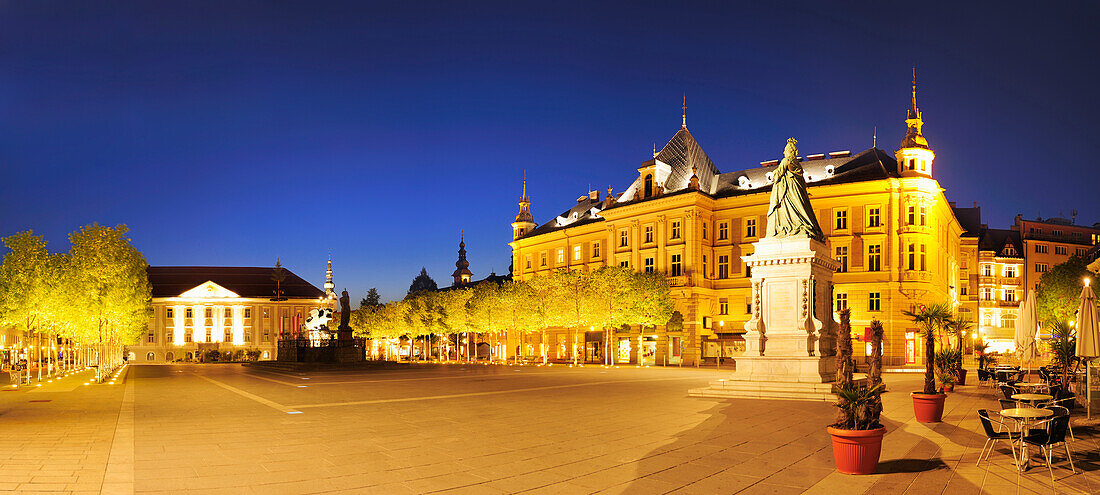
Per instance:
{"type": "Point", "coordinates": [910, 466]}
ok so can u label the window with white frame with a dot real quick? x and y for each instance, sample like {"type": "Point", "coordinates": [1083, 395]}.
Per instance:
{"type": "Point", "coordinates": [1010, 271]}
{"type": "Point", "coordinates": [723, 306]}
{"type": "Point", "coordinates": [649, 267]}
{"type": "Point", "coordinates": [648, 234]}
{"type": "Point", "coordinates": [1060, 250]}
{"type": "Point", "coordinates": [750, 227]}
{"type": "Point", "coordinates": [674, 231]}
{"type": "Point", "coordinates": [841, 302]}
{"type": "Point", "coordinates": [874, 216]}
{"type": "Point", "coordinates": [842, 258]}
{"type": "Point", "coordinates": [674, 266]}
{"type": "Point", "coordinates": [840, 219]}
{"type": "Point", "coordinates": [595, 249]}
{"type": "Point", "coordinates": [874, 301]}
{"type": "Point", "coordinates": [723, 230]}
{"type": "Point", "coordinates": [561, 256]}
{"type": "Point", "coordinates": [624, 238]}
{"type": "Point", "coordinates": [723, 266]}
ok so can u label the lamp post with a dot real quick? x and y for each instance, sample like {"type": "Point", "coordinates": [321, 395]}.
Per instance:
{"type": "Point", "coordinates": [718, 339]}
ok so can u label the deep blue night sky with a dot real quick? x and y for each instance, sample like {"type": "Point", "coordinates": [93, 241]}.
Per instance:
{"type": "Point", "coordinates": [229, 133]}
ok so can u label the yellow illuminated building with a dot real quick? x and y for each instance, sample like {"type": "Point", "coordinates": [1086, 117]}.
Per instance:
{"type": "Point", "coordinates": [201, 308]}
{"type": "Point", "coordinates": [884, 216]}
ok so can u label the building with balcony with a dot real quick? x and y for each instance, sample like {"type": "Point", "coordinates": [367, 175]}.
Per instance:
{"type": "Point", "coordinates": [885, 219]}
{"type": "Point", "coordinates": [1050, 242]}
{"type": "Point", "coordinates": [1001, 262]}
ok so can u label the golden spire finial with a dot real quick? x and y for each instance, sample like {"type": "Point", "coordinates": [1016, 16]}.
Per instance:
{"type": "Point", "coordinates": [524, 185]}
{"type": "Point", "coordinates": [684, 116]}
{"type": "Point", "coordinates": [915, 111]}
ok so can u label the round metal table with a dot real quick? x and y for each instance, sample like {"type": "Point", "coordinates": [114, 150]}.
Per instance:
{"type": "Point", "coordinates": [1032, 398]}
{"type": "Point", "coordinates": [1025, 415]}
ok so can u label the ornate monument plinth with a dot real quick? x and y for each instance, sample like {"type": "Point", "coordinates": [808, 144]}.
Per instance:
{"type": "Point", "coordinates": [791, 337]}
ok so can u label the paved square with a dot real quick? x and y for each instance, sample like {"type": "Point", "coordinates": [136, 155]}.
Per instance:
{"type": "Point", "coordinates": [478, 429]}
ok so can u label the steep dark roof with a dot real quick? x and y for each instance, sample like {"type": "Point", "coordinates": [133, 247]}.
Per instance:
{"type": "Point", "coordinates": [579, 214]}
{"type": "Point", "coordinates": [996, 239]}
{"type": "Point", "coordinates": [970, 219]}
{"type": "Point", "coordinates": [871, 164]}
{"type": "Point", "coordinates": [681, 153]}
{"type": "Point", "coordinates": [246, 281]}
{"type": "Point", "coordinates": [492, 278]}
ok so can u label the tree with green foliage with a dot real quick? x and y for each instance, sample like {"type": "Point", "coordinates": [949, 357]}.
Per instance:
{"type": "Point", "coordinates": [372, 299]}
{"type": "Point", "coordinates": [1059, 290]}
{"type": "Point", "coordinates": [485, 311]}
{"type": "Point", "coordinates": [422, 282]}
{"type": "Point", "coordinates": [612, 302]}
{"type": "Point", "coordinates": [26, 299]}
{"type": "Point", "coordinates": [112, 289]}
{"type": "Point", "coordinates": [455, 320]}
{"type": "Point", "coordinates": [519, 311]}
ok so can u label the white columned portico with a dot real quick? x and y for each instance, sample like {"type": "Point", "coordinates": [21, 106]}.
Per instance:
{"type": "Point", "coordinates": [218, 333]}
{"type": "Point", "coordinates": [238, 325]}
{"type": "Point", "coordinates": [198, 323]}
{"type": "Point", "coordinates": [178, 326]}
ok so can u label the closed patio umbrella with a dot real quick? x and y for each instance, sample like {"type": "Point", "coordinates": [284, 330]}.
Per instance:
{"type": "Point", "coordinates": [1027, 330]}
{"type": "Point", "coordinates": [1088, 340]}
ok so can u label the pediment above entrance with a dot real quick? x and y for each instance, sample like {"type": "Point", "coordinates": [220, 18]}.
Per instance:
{"type": "Point", "coordinates": [209, 289]}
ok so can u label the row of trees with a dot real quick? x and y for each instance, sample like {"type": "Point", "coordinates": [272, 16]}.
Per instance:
{"type": "Point", "coordinates": [604, 299]}
{"type": "Point", "coordinates": [95, 295]}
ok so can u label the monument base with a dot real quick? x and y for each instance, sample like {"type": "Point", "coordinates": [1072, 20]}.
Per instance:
{"type": "Point", "coordinates": [779, 377]}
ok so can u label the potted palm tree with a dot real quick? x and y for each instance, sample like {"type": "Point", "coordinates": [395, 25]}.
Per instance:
{"type": "Point", "coordinates": [947, 367]}
{"type": "Point", "coordinates": [857, 433]}
{"type": "Point", "coordinates": [959, 326]}
{"type": "Point", "coordinates": [928, 403]}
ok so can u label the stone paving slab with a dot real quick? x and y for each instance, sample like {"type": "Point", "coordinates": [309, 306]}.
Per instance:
{"type": "Point", "coordinates": [480, 429]}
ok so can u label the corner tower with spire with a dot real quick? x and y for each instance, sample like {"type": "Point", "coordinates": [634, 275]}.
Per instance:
{"type": "Point", "coordinates": [462, 271]}
{"type": "Point", "coordinates": [330, 288]}
{"type": "Point", "coordinates": [525, 222]}
{"type": "Point", "coordinates": [914, 156]}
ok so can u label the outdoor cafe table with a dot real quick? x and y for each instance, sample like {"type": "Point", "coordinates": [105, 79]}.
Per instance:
{"type": "Point", "coordinates": [1030, 385]}
{"type": "Point", "coordinates": [1031, 397]}
{"type": "Point", "coordinates": [1025, 415]}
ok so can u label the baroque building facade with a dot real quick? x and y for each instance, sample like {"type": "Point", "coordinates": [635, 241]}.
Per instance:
{"type": "Point", "coordinates": [884, 216]}
{"type": "Point", "coordinates": [200, 308]}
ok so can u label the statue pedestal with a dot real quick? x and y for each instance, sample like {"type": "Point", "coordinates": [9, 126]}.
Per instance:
{"type": "Point", "coordinates": [791, 337]}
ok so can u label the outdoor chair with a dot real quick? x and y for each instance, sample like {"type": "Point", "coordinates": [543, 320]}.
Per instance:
{"type": "Point", "coordinates": [1060, 411]}
{"type": "Point", "coordinates": [984, 376]}
{"type": "Point", "coordinates": [1053, 434]}
{"type": "Point", "coordinates": [1004, 432]}
{"type": "Point", "coordinates": [1009, 391]}
{"type": "Point", "coordinates": [1008, 404]}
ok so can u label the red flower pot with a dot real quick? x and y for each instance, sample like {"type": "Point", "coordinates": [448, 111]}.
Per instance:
{"type": "Point", "coordinates": [928, 408]}
{"type": "Point", "coordinates": [856, 451]}
{"type": "Point", "coordinates": [950, 387]}
{"type": "Point", "coordinates": [960, 379]}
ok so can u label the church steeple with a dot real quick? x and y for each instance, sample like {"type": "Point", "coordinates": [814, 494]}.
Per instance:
{"type": "Point", "coordinates": [462, 271]}
{"type": "Point", "coordinates": [330, 288]}
{"type": "Point", "coordinates": [525, 222]}
{"type": "Point", "coordinates": [913, 155]}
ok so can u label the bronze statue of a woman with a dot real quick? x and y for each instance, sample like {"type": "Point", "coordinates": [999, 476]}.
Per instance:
{"type": "Point", "coordinates": [789, 211]}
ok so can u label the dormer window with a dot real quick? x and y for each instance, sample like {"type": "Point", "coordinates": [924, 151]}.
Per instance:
{"type": "Point", "coordinates": [768, 176]}
{"type": "Point", "coordinates": [648, 185]}
{"type": "Point", "coordinates": [743, 182]}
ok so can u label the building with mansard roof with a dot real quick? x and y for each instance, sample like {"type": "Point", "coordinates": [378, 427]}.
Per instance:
{"type": "Point", "coordinates": [884, 215]}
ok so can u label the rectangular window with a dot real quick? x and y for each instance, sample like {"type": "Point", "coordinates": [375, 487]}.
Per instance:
{"type": "Point", "coordinates": [841, 301]}
{"type": "Point", "coordinates": [248, 336]}
{"type": "Point", "coordinates": [1041, 248]}
{"type": "Point", "coordinates": [228, 312]}
{"type": "Point", "coordinates": [187, 336]}
{"type": "Point", "coordinates": [1056, 232]}
{"type": "Point", "coordinates": [750, 227]}
{"type": "Point", "coordinates": [528, 259]}
{"type": "Point", "coordinates": [987, 293]}
{"type": "Point", "coordinates": [674, 268]}
{"type": "Point", "coordinates": [874, 301]}
{"type": "Point", "coordinates": [923, 258]}
{"type": "Point", "coordinates": [874, 257]}
{"type": "Point", "coordinates": [544, 258]}
{"type": "Point", "coordinates": [596, 249]}
{"type": "Point", "coordinates": [624, 238]}
{"type": "Point", "coordinates": [248, 312]}
{"type": "Point", "coordinates": [675, 230]}
{"type": "Point", "coordinates": [748, 270]}
{"type": "Point", "coordinates": [704, 266]}
{"type": "Point", "coordinates": [1060, 250]}
{"type": "Point", "coordinates": [169, 313]}
{"type": "Point", "coordinates": [723, 266]}
{"type": "Point", "coordinates": [577, 252]}
{"type": "Point", "coordinates": [912, 215]}
{"type": "Point", "coordinates": [648, 234]}
{"type": "Point", "coordinates": [228, 335]}
{"type": "Point", "coordinates": [1010, 271]}
{"type": "Point", "coordinates": [841, 217]}
{"type": "Point", "coordinates": [911, 253]}
{"type": "Point", "coordinates": [1010, 295]}
{"type": "Point", "coordinates": [151, 338]}
{"type": "Point", "coordinates": [266, 314]}
{"type": "Point", "coordinates": [624, 264]}
{"type": "Point", "coordinates": [704, 231]}
{"type": "Point", "coordinates": [209, 312]}
{"type": "Point", "coordinates": [962, 291]}
{"type": "Point", "coordinates": [873, 217]}
{"type": "Point", "coordinates": [1041, 268]}
{"type": "Point", "coordinates": [923, 215]}
{"type": "Point", "coordinates": [1080, 252]}
{"type": "Point", "coordinates": [723, 306]}
{"type": "Point", "coordinates": [649, 265]}
{"type": "Point", "coordinates": [561, 256]}
{"type": "Point", "coordinates": [987, 270]}
{"type": "Point", "coordinates": [723, 231]}
{"type": "Point", "coordinates": [842, 258]}
{"type": "Point", "coordinates": [187, 313]}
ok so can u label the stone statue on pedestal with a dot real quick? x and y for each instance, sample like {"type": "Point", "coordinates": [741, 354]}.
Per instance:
{"type": "Point", "coordinates": [789, 211]}
{"type": "Point", "coordinates": [344, 331]}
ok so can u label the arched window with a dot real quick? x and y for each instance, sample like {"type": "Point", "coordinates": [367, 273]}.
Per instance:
{"type": "Point", "coordinates": [649, 185]}
{"type": "Point", "coordinates": [169, 357]}
{"type": "Point", "coordinates": [150, 356]}
{"type": "Point", "coordinates": [1008, 321]}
